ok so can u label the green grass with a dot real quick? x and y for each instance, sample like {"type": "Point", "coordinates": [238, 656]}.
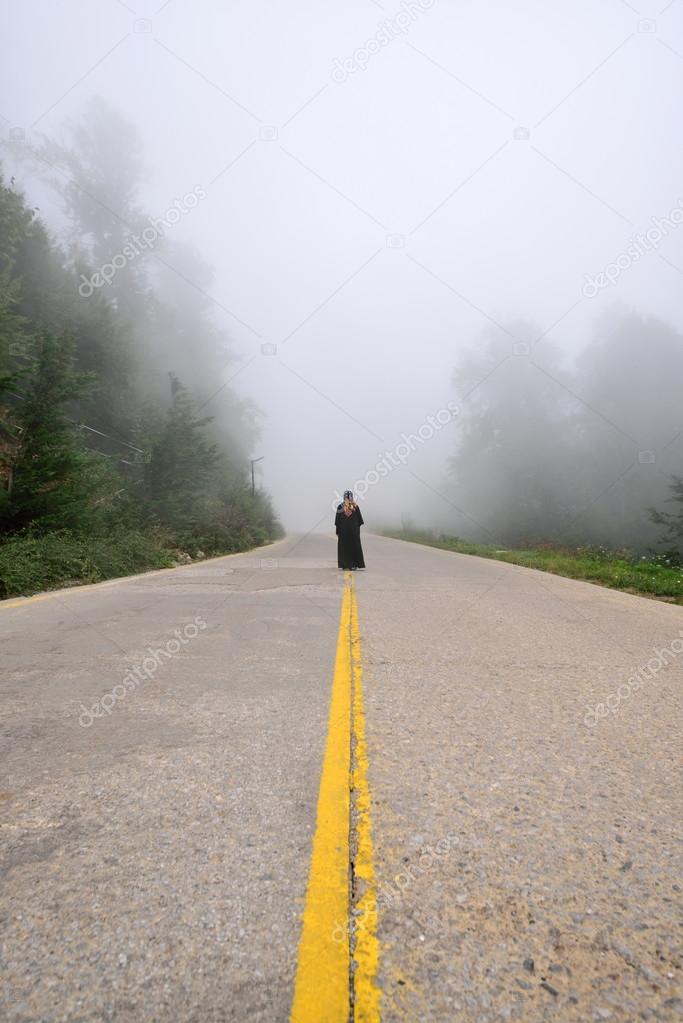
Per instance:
{"type": "Point", "coordinates": [653, 577]}
{"type": "Point", "coordinates": [31, 562]}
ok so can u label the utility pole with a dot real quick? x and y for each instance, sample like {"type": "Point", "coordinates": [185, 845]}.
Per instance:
{"type": "Point", "coordinates": [253, 463]}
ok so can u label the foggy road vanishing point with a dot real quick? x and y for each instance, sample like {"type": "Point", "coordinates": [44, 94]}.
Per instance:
{"type": "Point", "coordinates": [210, 770]}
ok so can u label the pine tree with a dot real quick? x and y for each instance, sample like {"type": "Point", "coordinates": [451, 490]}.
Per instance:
{"type": "Point", "coordinates": [50, 480]}
{"type": "Point", "coordinates": [673, 523]}
{"type": "Point", "coordinates": [15, 221]}
{"type": "Point", "coordinates": [182, 463]}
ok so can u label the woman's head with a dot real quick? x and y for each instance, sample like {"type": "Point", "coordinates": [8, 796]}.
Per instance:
{"type": "Point", "coordinates": [348, 505]}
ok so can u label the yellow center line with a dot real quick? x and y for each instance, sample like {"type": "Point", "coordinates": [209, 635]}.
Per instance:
{"type": "Point", "coordinates": [322, 992]}
{"type": "Point", "coordinates": [366, 950]}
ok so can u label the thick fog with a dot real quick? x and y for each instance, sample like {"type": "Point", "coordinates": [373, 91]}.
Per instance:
{"type": "Point", "coordinates": [411, 216]}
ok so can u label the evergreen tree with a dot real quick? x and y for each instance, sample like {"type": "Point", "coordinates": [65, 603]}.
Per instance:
{"type": "Point", "coordinates": [101, 471]}
{"type": "Point", "coordinates": [50, 480]}
{"type": "Point", "coordinates": [182, 463]}
{"type": "Point", "coordinates": [672, 538]}
{"type": "Point", "coordinates": [15, 223]}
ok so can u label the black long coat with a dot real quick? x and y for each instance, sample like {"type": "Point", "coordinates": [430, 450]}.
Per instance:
{"type": "Point", "coordinates": [349, 550]}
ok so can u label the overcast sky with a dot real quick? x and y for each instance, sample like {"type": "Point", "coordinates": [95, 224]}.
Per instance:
{"type": "Point", "coordinates": [384, 182]}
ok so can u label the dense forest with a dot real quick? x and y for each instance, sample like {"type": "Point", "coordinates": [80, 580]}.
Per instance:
{"type": "Point", "coordinates": [120, 449]}
{"type": "Point", "coordinates": [587, 454]}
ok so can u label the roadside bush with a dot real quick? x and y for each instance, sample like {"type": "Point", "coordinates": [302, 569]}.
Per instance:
{"type": "Point", "coordinates": [31, 562]}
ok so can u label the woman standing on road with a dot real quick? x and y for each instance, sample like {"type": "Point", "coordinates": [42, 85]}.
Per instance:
{"type": "Point", "coordinates": [347, 523]}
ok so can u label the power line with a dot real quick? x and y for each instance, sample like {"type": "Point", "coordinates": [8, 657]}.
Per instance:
{"type": "Point", "coordinates": [91, 429]}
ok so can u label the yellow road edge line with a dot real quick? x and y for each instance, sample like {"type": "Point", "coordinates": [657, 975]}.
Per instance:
{"type": "Point", "coordinates": [367, 947]}
{"type": "Point", "coordinates": [321, 987]}
{"type": "Point", "coordinates": [20, 601]}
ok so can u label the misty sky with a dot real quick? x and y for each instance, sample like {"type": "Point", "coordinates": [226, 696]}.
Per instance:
{"type": "Point", "coordinates": [372, 222]}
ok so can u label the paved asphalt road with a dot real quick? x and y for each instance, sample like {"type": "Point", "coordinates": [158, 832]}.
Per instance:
{"type": "Point", "coordinates": [157, 835]}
